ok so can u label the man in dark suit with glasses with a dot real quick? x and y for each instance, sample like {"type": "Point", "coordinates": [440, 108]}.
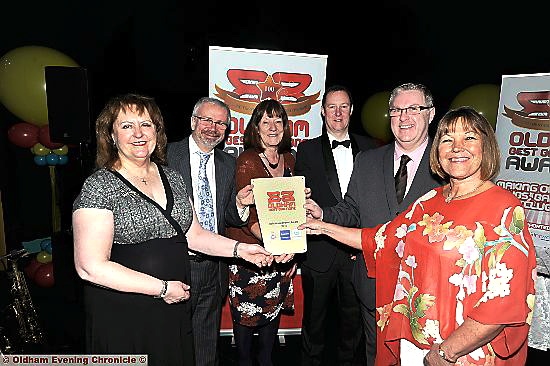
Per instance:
{"type": "Point", "coordinates": [209, 275]}
{"type": "Point", "coordinates": [384, 182]}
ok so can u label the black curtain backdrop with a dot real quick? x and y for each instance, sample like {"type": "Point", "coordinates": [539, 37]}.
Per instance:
{"type": "Point", "coordinates": [160, 48]}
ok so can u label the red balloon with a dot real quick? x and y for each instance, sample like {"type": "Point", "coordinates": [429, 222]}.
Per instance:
{"type": "Point", "coordinates": [44, 275]}
{"type": "Point", "coordinates": [30, 269]}
{"type": "Point", "coordinates": [23, 134]}
{"type": "Point", "coordinates": [44, 138]}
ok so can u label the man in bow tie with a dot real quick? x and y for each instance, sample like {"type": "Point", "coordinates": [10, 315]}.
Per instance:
{"type": "Point", "coordinates": [327, 163]}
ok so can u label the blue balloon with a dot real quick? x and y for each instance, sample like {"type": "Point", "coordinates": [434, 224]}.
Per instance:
{"type": "Point", "coordinates": [40, 160]}
{"type": "Point", "coordinates": [52, 159]}
{"type": "Point", "coordinates": [63, 159]}
{"type": "Point", "coordinates": [46, 245]}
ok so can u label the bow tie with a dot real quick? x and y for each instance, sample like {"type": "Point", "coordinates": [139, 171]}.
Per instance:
{"type": "Point", "coordinates": [345, 143]}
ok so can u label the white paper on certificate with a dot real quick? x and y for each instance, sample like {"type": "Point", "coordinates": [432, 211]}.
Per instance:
{"type": "Point", "coordinates": [280, 206]}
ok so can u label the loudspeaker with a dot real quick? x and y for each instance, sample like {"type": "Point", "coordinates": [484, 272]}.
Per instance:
{"type": "Point", "coordinates": [68, 105]}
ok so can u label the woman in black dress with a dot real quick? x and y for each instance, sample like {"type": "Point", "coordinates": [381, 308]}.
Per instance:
{"type": "Point", "coordinates": [133, 224]}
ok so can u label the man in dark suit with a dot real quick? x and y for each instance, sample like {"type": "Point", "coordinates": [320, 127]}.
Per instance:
{"type": "Point", "coordinates": [326, 269]}
{"type": "Point", "coordinates": [209, 275]}
{"type": "Point", "coordinates": [371, 198]}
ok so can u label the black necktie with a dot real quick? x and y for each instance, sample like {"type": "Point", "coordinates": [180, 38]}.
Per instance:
{"type": "Point", "coordinates": [401, 178]}
{"type": "Point", "coordinates": [345, 143]}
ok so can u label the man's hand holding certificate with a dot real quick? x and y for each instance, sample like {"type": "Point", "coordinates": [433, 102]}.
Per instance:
{"type": "Point", "coordinates": [280, 206]}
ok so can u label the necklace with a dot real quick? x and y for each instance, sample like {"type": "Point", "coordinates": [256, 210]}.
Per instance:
{"type": "Point", "coordinates": [272, 166]}
{"type": "Point", "coordinates": [141, 179]}
{"type": "Point", "coordinates": [449, 198]}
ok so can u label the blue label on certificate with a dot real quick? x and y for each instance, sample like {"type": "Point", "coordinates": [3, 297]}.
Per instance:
{"type": "Point", "coordinates": [285, 234]}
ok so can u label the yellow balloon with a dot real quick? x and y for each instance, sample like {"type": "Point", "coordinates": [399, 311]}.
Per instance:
{"type": "Point", "coordinates": [39, 149]}
{"type": "Point", "coordinates": [483, 98]}
{"type": "Point", "coordinates": [22, 81]}
{"type": "Point", "coordinates": [63, 150]}
{"type": "Point", "coordinates": [44, 257]}
{"type": "Point", "coordinates": [375, 118]}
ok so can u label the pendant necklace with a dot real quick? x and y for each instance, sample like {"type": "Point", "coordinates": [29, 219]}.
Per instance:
{"type": "Point", "coordinates": [141, 179]}
{"type": "Point", "coordinates": [272, 166]}
{"type": "Point", "coordinates": [449, 198]}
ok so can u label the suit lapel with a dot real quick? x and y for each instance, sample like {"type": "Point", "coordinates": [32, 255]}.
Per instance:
{"type": "Point", "coordinates": [221, 184]}
{"type": "Point", "coordinates": [330, 167]}
{"type": "Point", "coordinates": [354, 146]}
{"type": "Point", "coordinates": [422, 177]}
{"type": "Point", "coordinates": [389, 181]}
{"type": "Point", "coordinates": [185, 165]}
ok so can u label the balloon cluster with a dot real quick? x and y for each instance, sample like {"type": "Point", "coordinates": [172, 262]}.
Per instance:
{"type": "Point", "coordinates": [23, 92]}
{"type": "Point", "coordinates": [376, 121]}
{"type": "Point", "coordinates": [40, 268]}
{"type": "Point", "coordinates": [38, 140]}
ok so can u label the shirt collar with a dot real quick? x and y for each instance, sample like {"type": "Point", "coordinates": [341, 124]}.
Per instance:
{"type": "Point", "coordinates": [194, 148]}
{"type": "Point", "coordinates": [415, 155]}
{"type": "Point", "coordinates": [331, 138]}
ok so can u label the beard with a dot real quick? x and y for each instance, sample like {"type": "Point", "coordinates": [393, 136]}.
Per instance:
{"type": "Point", "coordinates": [210, 138]}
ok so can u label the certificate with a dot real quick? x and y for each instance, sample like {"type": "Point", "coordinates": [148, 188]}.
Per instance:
{"type": "Point", "coordinates": [280, 206]}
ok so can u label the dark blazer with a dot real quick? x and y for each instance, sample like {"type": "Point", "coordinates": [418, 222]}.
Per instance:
{"type": "Point", "coordinates": [371, 200]}
{"type": "Point", "coordinates": [226, 207]}
{"type": "Point", "coordinates": [314, 160]}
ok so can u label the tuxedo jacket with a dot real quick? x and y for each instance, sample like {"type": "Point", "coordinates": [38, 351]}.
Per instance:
{"type": "Point", "coordinates": [371, 200]}
{"type": "Point", "coordinates": [226, 207]}
{"type": "Point", "coordinates": [314, 161]}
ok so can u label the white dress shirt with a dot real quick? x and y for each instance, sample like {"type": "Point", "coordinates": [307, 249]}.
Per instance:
{"type": "Point", "coordinates": [343, 158]}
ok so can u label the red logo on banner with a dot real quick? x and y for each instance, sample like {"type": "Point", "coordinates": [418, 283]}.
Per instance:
{"type": "Point", "coordinates": [252, 86]}
{"type": "Point", "coordinates": [281, 201]}
{"type": "Point", "coordinates": [536, 111]}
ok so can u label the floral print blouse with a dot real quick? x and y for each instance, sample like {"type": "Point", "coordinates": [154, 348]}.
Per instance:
{"type": "Point", "coordinates": [439, 263]}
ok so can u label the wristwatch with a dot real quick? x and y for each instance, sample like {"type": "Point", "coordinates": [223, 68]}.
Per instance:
{"type": "Point", "coordinates": [443, 355]}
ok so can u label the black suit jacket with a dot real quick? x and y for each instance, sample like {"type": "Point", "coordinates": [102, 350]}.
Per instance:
{"type": "Point", "coordinates": [371, 200]}
{"type": "Point", "coordinates": [314, 160]}
{"type": "Point", "coordinates": [226, 209]}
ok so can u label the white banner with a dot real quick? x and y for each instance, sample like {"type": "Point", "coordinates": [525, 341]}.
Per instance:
{"type": "Point", "coordinates": [523, 133]}
{"type": "Point", "coordinates": [244, 77]}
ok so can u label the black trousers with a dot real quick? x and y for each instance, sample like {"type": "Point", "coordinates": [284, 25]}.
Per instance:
{"type": "Point", "coordinates": [321, 291]}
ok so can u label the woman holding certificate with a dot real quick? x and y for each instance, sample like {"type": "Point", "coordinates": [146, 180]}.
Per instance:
{"type": "Point", "coordinates": [257, 297]}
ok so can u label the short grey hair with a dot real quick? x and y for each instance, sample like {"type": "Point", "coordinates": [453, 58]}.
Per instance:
{"type": "Point", "coordinates": [209, 100]}
{"type": "Point", "coordinates": [428, 97]}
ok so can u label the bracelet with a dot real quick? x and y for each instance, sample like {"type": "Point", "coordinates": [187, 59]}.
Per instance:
{"type": "Point", "coordinates": [164, 290]}
{"type": "Point", "coordinates": [443, 355]}
{"type": "Point", "coordinates": [242, 211]}
{"type": "Point", "coordinates": [235, 254]}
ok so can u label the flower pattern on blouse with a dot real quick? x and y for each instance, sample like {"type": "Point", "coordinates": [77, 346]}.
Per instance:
{"type": "Point", "coordinates": [479, 259]}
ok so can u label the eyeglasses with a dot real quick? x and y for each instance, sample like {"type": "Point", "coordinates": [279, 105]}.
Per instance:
{"type": "Point", "coordinates": [210, 121]}
{"type": "Point", "coordinates": [409, 111]}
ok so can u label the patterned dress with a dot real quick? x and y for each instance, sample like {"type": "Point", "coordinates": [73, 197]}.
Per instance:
{"type": "Point", "coordinates": [256, 296]}
{"type": "Point", "coordinates": [145, 240]}
{"type": "Point", "coordinates": [437, 264]}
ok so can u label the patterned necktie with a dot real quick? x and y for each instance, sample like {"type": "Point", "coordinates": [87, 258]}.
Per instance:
{"type": "Point", "coordinates": [206, 204]}
{"type": "Point", "coordinates": [401, 178]}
